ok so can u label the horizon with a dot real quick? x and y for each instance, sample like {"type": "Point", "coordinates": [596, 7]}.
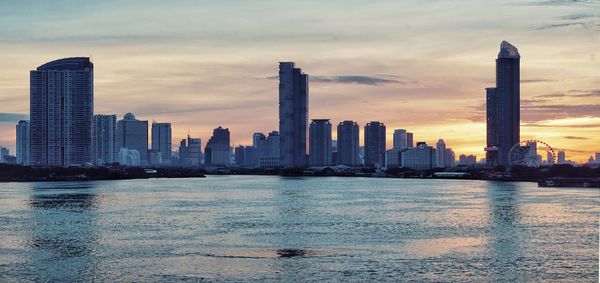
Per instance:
{"type": "Point", "coordinates": [404, 71]}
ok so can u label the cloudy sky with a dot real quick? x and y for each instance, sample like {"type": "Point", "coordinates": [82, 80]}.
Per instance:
{"type": "Point", "coordinates": [418, 65]}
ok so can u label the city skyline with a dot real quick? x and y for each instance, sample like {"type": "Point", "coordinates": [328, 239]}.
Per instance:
{"type": "Point", "coordinates": [369, 73]}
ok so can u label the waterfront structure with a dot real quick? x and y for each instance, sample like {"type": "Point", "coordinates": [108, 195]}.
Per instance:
{"type": "Point", "coordinates": [129, 157]}
{"type": "Point", "coordinates": [409, 140]}
{"type": "Point", "coordinates": [190, 153]}
{"type": "Point", "coordinates": [503, 106]}
{"type": "Point", "coordinates": [393, 158]}
{"type": "Point", "coordinates": [104, 149]}
{"type": "Point", "coordinates": [23, 142]}
{"type": "Point", "coordinates": [421, 157]}
{"type": "Point", "coordinates": [440, 154]}
{"type": "Point", "coordinates": [61, 108]}
{"type": "Point", "coordinates": [375, 139]}
{"type": "Point", "coordinates": [561, 158]}
{"type": "Point", "coordinates": [161, 143]}
{"type": "Point", "coordinates": [133, 135]}
{"type": "Point", "coordinates": [293, 115]}
{"type": "Point", "coordinates": [218, 149]}
{"type": "Point", "coordinates": [320, 143]}
{"type": "Point", "coordinates": [348, 143]}
{"type": "Point", "coordinates": [400, 139]}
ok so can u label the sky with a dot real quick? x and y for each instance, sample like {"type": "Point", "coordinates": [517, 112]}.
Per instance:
{"type": "Point", "coordinates": [416, 65]}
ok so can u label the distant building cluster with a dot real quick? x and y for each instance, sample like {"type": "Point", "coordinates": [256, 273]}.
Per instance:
{"type": "Point", "coordinates": [63, 130]}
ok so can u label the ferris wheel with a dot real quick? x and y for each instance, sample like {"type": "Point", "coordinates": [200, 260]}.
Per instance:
{"type": "Point", "coordinates": [525, 153]}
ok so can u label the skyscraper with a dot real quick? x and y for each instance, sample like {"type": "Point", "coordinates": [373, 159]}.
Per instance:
{"type": "Point", "coordinates": [104, 149]}
{"type": "Point", "coordinates": [400, 139]}
{"type": "Point", "coordinates": [409, 140]}
{"type": "Point", "coordinates": [375, 144]}
{"type": "Point", "coordinates": [23, 142]}
{"type": "Point", "coordinates": [161, 141]}
{"type": "Point", "coordinates": [61, 109]}
{"type": "Point", "coordinates": [132, 134]}
{"type": "Point", "coordinates": [348, 143]}
{"type": "Point", "coordinates": [320, 142]}
{"type": "Point", "coordinates": [561, 158]}
{"type": "Point", "coordinates": [440, 154]}
{"type": "Point", "coordinates": [218, 148]}
{"type": "Point", "coordinates": [190, 152]}
{"type": "Point", "coordinates": [293, 115]}
{"type": "Point", "coordinates": [503, 106]}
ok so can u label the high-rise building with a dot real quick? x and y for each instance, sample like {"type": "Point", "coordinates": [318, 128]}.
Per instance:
{"type": "Point", "coordinates": [320, 143]}
{"type": "Point", "coordinates": [440, 154]}
{"type": "Point", "coordinates": [492, 128]}
{"type": "Point", "coordinates": [421, 157]}
{"type": "Point", "coordinates": [450, 158]}
{"type": "Point", "coordinates": [190, 154]}
{"type": "Point", "coordinates": [503, 106]}
{"type": "Point", "coordinates": [293, 115]}
{"type": "Point", "coordinates": [550, 160]}
{"type": "Point", "coordinates": [218, 148]}
{"type": "Point", "coordinates": [393, 158]}
{"type": "Point", "coordinates": [4, 154]}
{"type": "Point", "coordinates": [161, 141]}
{"type": "Point", "coordinates": [409, 140]}
{"type": "Point", "coordinates": [132, 134]}
{"type": "Point", "coordinates": [61, 109]}
{"type": "Point", "coordinates": [562, 159]}
{"type": "Point", "coordinates": [400, 139]}
{"type": "Point", "coordinates": [375, 144]}
{"type": "Point", "coordinates": [104, 149]}
{"type": "Point", "coordinates": [23, 143]}
{"type": "Point", "coordinates": [348, 143]}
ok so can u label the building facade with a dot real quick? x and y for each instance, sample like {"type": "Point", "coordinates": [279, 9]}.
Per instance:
{"type": "Point", "coordinates": [504, 106]}
{"type": "Point", "coordinates": [320, 143]}
{"type": "Point", "coordinates": [440, 154]}
{"type": "Point", "coordinates": [190, 153]}
{"type": "Point", "coordinates": [348, 143]}
{"type": "Point", "coordinates": [133, 134]}
{"type": "Point", "coordinates": [61, 110]}
{"type": "Point", "coordinates": [162, 142]}
{"type": "Point", "coordinates": [375, 141]}
{"type": "Point", "coordinates": [218, 148]}
{"type": "Point", "coordinates": [104, 149]}
{"type": "Point", "coordinates": [421, 157]}
{"type": "Point", "coordinates": [23, 143]}
{"type": "Point", "coordinates": [293, 115]}
{"type": "Point", "coordinates": [400, 139]}
{"type": "Point", "coordinates": [409, 140]}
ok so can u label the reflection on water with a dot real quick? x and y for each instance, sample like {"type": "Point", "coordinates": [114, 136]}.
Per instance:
{"type": "Point", "coordinates": [62, 236]}
{"type": "Point", "coordinates": [266, 228]}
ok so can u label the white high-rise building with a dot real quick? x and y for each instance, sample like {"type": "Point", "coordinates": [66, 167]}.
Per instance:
{"type": "Point", "coordinates": [440, 153]}
{"type": "Point", "coordinates": [421, 157]}
{"type": "Point", "coordinates": [23, 156]}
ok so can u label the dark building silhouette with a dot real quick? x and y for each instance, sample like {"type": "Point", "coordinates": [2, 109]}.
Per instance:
{"type": "Point", "coordinates": [132, 134]}
{"type": "Point", "coordinates": [503, 106]}
{"type": "Point", "coordinates": [348, 143]}
{"type": "Point", "coordinates": [320, 142]}
{"type": "Point", "coordinates": [293, 115]}
{"type": "Point", "coordinates": [162, 142]}
{"type": "Point", "coordinates": [218, 148]}
{"type": "Point", "coordinates": [61, 110]}
{"type": "Point", "coordinates": [375, 144]}
{"type": "Point", "coordinates": [104, 139]}
{"type": "Point", "coordinates": [190, 153]}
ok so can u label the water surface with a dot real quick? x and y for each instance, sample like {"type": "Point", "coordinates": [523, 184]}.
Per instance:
{"type": "Point", "coordinates": [297, 229]}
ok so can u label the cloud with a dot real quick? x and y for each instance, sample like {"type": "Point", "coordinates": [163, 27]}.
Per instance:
{"type": "Point", "coordinates": [12, 117]}
{"type": "Point", "coordinates": [576, 138]}
{"type": "Point", "coordinates": [537, 81]}
{"type": "Point", "coordinates": [354, 79]}
{"type": "Point", "coordinates": [560, 2]}
{"type": "Point", "coordinates": [572, 93]}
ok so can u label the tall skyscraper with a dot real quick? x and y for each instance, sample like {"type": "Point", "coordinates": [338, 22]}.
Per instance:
{"type": "Point", "coordinates": [218, 148]}
{"type": "Point", "coordinates": [503, 106]}
{"type": "Point", "coordinates": [161, 141]}
{"type": "Point", "coordinates": [400, 139]}
{"type": "Point", "coordinates": [550, 158]}
{"type": "Point", "coordinates": [23, 143]}
{"type": "Point", "coordinates": [320, 142]}
{"type": "Point", "coordinates": [450, 158]}
{"type": "Point", "coordinates": [293, 115]}
{"type": "Point", "coordinates": [190, 153]}
{"type": "Point", "coordinates": [61, 109]}
{"type": "Point", "coordinates": [104, 149]}
{"type": "Point", "coordinates": [440, 154]}
{"type": "Point", "coordinates": [375, 144]}
{"type": "Point", "coordinates": [562, 159]}
{"type": "Point", "coordinates": [132, 134]}
{"type": "Point", "coordinates": [348, 143]}
{"type": "Point", "coordinates": [409, 140]}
